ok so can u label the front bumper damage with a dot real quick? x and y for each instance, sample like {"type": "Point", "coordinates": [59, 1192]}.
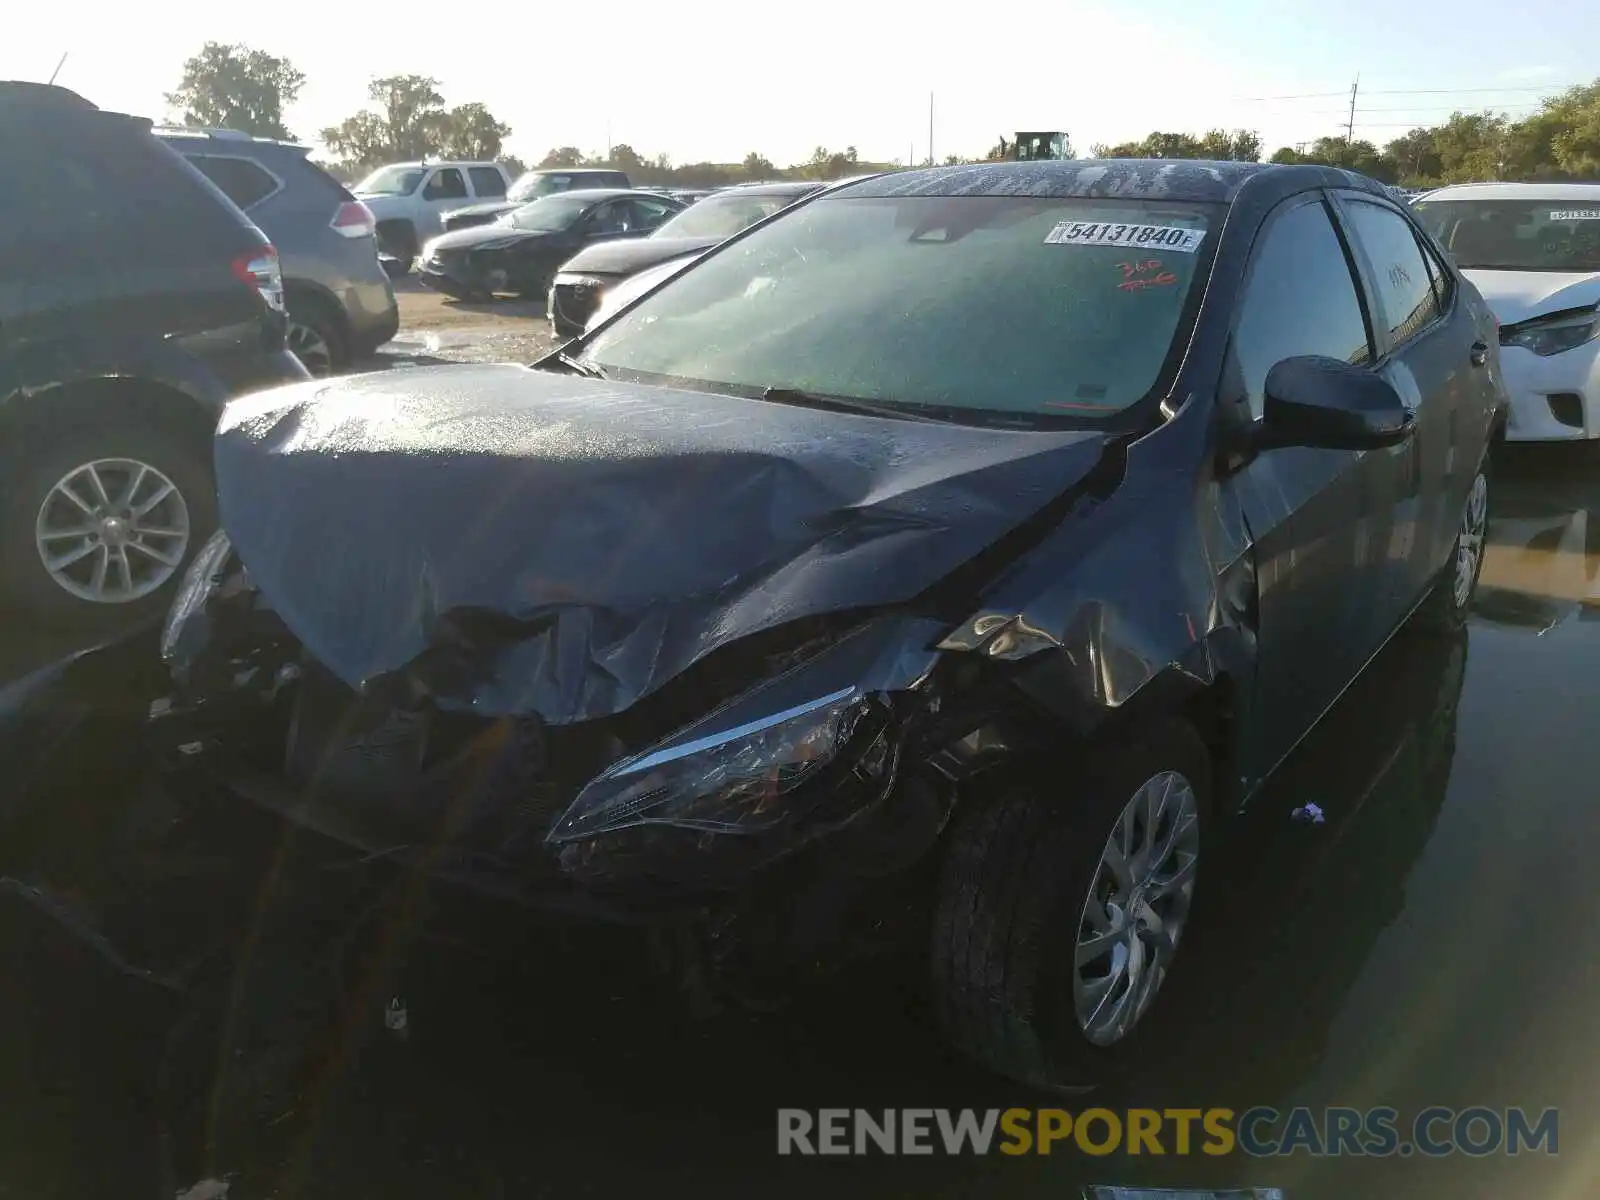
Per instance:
{"type": "Point", "coordinates": [820, 763]}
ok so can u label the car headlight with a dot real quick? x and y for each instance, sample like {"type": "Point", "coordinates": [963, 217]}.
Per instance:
{"type": "Point", "coordinates": [1555, 334]}
{"type": "Point", "coordinates": [738, 780]}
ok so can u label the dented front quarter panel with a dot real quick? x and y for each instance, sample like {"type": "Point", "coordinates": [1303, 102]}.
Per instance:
{"type": "Point", "coordinates": [1142, 600]}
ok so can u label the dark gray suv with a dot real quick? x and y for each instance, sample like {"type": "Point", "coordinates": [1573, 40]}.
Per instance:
{"type": "Point", "coordinates": [341, 303]}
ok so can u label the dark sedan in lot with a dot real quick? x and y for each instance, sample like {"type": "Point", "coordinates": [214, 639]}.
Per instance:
{"type": "Point", "coordinates": [581, 283]}
{"type": "Point", "coordinates": [520, 251]}
{"type": "Point", "coordinates": [970, 542]}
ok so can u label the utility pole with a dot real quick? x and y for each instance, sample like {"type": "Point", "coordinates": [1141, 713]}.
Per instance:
{"type": "Point", "coordinates": [1350, 125]}
{"type": "Point", "coordinates": [930, 129]}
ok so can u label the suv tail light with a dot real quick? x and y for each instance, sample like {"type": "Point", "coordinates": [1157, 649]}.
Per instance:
{"type": "Point", "coordinates": [354, 219]}
{"type": "Point", "coordinates": [260, 270]}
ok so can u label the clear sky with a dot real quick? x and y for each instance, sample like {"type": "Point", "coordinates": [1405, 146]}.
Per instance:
{"type": "Point", "coordinates": [702, 79]}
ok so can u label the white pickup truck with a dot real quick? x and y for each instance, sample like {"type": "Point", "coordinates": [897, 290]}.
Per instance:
{"type": "Point", "coordinates": [410, 199]}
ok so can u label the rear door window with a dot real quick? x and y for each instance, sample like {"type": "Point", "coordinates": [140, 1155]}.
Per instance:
{"type": "Point", "coordinates": [650, 213]}
{"type": "Point", "coordinates": [1301, 298]}
{"type": "Point", "coordinates": [487, 182]}
{"type": "Point", "coordinates": [1405, 289]}
{"type": "Point", "coordinates": [244, 182]}
{"type": "Point", "coordinates": [446, 184]}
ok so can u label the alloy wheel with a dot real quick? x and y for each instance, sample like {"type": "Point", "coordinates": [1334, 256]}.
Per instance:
{"type": "Point", "coordinates": [1138, 904]}
{"type": "Point", "coordinates": [310, 346]}
{"type": "Point", "coordinates": [1469, 547]}
{"type": "Point", "coordinates": [112, 531]}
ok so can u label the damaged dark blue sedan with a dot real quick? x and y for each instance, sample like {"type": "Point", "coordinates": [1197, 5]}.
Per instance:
{"type": "Point", "coordinates": [983, 535]}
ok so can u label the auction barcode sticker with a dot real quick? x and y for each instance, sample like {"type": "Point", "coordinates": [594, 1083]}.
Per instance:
{"type": "Point", "coordinates": [1108, 233]}
{"type": "Point", "coordinates": [1576, 214]}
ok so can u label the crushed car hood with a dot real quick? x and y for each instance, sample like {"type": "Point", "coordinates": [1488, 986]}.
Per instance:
{"type": "Point", "coordinates": [635, 254]}
{"type": "Point", "coordinates": [1515, 296]}
{"type": "Point", "coordinates": [569, 544]}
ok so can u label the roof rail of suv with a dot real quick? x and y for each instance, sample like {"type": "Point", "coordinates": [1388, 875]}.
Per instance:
{"type": "Point", "coordinates": [225, 135]}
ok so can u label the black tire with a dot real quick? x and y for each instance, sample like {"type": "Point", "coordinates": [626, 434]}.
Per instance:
{"type": "Point", "coordinates": [1445, 609]}
{"type": "Point", "coordinates": [1018, 868]}
{"type": "Point", "coordinates": [49, 456]}
{"type": "Point", "coordinates": [316, 335]}
{"type": "Point", "coordinates": [397, 241]}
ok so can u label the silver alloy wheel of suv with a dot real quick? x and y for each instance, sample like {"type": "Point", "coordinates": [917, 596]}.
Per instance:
{"type": "Point", "coordinates": [112, 531]}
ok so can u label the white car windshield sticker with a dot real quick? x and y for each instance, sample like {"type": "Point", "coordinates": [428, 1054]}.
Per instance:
{"type": "Point", "coordinates": [1576, 214]}
{"type": "Point", "coordinates": [1109, 233]}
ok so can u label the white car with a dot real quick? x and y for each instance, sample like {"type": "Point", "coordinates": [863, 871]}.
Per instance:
{"type": "Point", "coordinates": [1533, 250]}
{"type": "Point", "coordinates": [409, 200]}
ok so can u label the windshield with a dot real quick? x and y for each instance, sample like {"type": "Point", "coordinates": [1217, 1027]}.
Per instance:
{"type": "Point", "coordinates": [549, 215]}
{"type": "Point", "coordinates": [988, 309]}
{"type": "Point", "coordinates": [1517, 235]}
{"type": "Point", "coordinates": [723, 216]}
{"type": "Point", "coordinates": [391, 181]}
{"type": "Point", "coordinates": [531, 187]}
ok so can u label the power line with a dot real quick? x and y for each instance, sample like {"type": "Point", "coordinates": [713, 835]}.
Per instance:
{"type": "Point", "coordinates": [1546, 89]}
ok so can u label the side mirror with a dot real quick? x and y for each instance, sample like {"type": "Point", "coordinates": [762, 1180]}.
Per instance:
{"type": "Point", "coordinates": [1331, 404]}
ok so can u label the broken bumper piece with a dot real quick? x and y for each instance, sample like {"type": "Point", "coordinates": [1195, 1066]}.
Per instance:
{"type": "Point", "coordinates": [549, 813]}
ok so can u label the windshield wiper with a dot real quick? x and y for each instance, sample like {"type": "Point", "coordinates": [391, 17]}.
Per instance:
{"type": "Point", "coordinates": [844, 404]}
{"type": "Point", "coordinates": [579, 367]}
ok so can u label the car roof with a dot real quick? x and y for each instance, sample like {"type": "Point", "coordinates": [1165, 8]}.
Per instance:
{"type": "Point", "coordinates": [436, 162]}
{"type": "Point", "coordinates": [1192, 180]}
{"type": "Point", "coordinates": [1516, 191]}
{"type": "Point", "coordinates": [790, 187]}
{"type": "Point", "coordinates": [604, 193]}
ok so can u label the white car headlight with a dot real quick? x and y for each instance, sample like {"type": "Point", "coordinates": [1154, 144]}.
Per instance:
{"type": "Point", "coordinates": [735, 781]}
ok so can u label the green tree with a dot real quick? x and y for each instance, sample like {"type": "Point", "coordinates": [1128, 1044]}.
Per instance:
{"type": "Point", "coordinates": [829, 164]}
{"type": "Point", "coordinates": [235, 87]}
{"type": "Point", "coordinates": [1414, 157]}
{"type": "Point", "coordinates": [1241, 145]}
{"type": "Point", "coordinates": [408, 124]}
{"type": "Point", "coordinates": [1577, 144]}
{"type": "Point", "coordinates": [471, 131]}
{"type": "Point", "coordinates": [757, 166]}
{"type": "Point", "coordinates": [625, 158]}
{"type": "Point", "coordinates": [1286, 155]}
{"type": "Point", "coordinates": [563, 156]}
{"type": "Point", "coordinates": [514, 166]}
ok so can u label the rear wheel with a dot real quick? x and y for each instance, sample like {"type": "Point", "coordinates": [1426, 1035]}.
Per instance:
{"type": "Point", "coordinates": [316, 336]}
{"type": "Point", "coordinates": [1061, 910]}
{"type": "Point", "coordinates": [100, 520]}
{"type": "Point", "coordinates": [1445, 610]}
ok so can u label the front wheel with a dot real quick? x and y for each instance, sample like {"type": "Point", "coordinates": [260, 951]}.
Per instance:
{"type": "Point", "coordinates": [1062, 908]}
{"type": "Point", "coordinates": [1445, 609]}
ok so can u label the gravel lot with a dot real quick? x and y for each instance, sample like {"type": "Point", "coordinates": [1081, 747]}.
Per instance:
{"type": "Point", "coordinates": [434, 328]}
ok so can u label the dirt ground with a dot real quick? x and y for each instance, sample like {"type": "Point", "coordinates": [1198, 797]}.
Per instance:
{"type": "Point", "coordinates": [437, 328]}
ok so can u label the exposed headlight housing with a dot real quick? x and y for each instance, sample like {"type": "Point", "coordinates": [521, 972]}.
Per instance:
{"type": "Point", "coordinates": [739, 780]}
{"type": "Point", "coordinates": [573, 279]}
{"type": "Point", "coordinates": [1554, 334]}
{"type": "Point", "coordinates": [204, 577]}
